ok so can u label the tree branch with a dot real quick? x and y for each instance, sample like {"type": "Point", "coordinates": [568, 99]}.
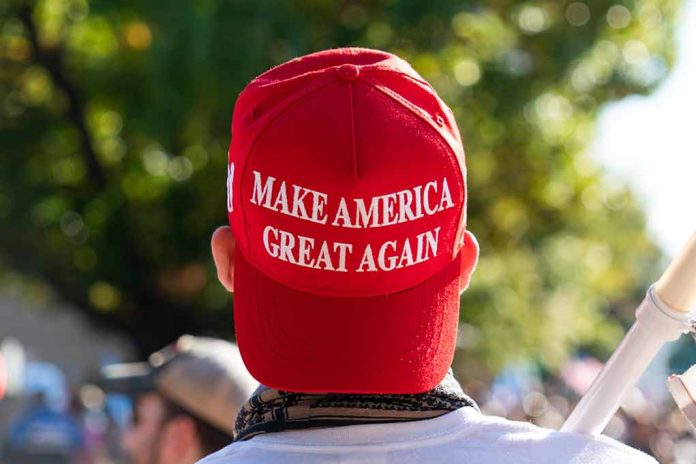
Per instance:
{"type": "Point", "coordinates": [52, 61]}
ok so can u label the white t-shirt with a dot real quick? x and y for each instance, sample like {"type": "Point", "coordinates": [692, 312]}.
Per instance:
{"type": "Point", "coordinates": [461, 436]}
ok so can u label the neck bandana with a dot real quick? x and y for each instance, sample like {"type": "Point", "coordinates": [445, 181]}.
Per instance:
{"type": "Point", "coordinates": [269, 410]}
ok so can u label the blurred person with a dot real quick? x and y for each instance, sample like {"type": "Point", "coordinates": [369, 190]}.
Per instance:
{"type": "Point", "coordinates": [347, 254]}
{"type": "Point", "coordinates": [3, 376]}
{"type": "Point", "coordinates": [186, 398]}
{"type": "Point", "coordinates": [42, 434]}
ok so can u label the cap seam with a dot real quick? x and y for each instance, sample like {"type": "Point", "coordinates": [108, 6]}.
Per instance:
{"type": "Point", "coordinates": [387, 69]}
{"type": "Point", "coordinates": [264, 83]}
{"type": "Point", "coordinates": [352, 130]}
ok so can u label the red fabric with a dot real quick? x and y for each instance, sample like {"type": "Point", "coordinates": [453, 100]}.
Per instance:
{"type": "Point", "coordinates": [347, 197]}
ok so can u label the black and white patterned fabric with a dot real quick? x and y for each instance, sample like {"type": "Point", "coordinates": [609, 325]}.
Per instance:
{"type": "Point", "coordinates": [270, 410]}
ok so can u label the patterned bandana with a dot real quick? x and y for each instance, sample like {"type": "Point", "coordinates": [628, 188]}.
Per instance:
{"type": "Point", "coordinates": [270, 410]}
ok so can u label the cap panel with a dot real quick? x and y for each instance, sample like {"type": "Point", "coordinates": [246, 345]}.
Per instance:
{"type": "Point", "coordinates": [312, 225]}
{"type": "Point", "coordinates": [424, 102]}
{"type": "Point", "coordinates": [256, 107]}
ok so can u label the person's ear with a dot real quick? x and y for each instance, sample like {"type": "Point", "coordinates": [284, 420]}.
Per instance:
{"type": "Point", "coordinates": [470, 254]}
{"type": "Point", "coordinates": [222, 245]}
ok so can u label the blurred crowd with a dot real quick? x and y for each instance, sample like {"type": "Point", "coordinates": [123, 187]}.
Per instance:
{"type": "Point", "coordinates": [651, 423]}
{"type": "Point", "coordinates": [53, 422]}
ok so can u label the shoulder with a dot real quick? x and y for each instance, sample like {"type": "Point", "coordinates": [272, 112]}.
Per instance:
{"type": "Point", "coordinates": [563, 447]}
{"type": "Point", "coordinates": [220, 457]}
{"type": "Point", "coordinates": [249, 452]}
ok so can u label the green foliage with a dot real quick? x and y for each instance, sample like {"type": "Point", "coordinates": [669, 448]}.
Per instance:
{"type": "Point", "coordinates": [114, 124]}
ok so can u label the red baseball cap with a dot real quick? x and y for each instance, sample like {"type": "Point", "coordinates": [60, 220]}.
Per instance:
{"type": "Point", "coordinates": [347, 199]}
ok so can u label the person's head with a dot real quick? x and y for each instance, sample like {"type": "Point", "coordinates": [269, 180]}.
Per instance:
{"type": "Point", "coordinates": [163, 432]}
{"type": "Point", "coordinates": [348, 247]}
{"type": "Point", "coordinates": [186, 399]}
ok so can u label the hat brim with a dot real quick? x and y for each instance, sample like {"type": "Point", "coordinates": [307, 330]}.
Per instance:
{"type": "Point", "coordinates": [296, 341]}
{"type": "Point", "coordinates": [129, 378]}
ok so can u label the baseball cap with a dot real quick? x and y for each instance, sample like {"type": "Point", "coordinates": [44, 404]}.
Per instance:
{"type": "Point", "coordinates": [347, 199]}
{"type": "Point", "coordinates": [204, 376]}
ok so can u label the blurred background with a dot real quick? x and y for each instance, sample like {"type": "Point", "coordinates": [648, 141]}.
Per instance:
{"type": "Point", "coordinates": [114, 127]}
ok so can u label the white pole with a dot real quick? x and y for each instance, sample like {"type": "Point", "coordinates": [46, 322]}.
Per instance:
{"type": "Point", "coordinates": [663, 316]}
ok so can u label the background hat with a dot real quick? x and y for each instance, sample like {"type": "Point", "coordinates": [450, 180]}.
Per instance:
{"type": "Point", "coordinates": [347, 198]}
{"type": "Point", "coordinates": [204, 376]}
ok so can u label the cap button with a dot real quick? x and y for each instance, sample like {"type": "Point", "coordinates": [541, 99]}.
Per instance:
{"type": "Point", "coordinates": [348, 72]}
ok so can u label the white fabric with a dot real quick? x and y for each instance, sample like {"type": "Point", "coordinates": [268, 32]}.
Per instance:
{"type": "Point", "coordinates": [462, 436]}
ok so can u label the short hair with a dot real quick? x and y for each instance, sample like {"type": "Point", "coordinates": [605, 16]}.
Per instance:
{"type": "Point", "coordinates": [210, 437]}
